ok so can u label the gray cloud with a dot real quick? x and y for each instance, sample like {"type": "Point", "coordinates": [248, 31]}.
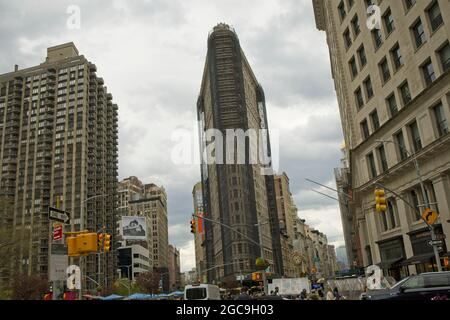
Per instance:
{"type": "Point", "coordinates": [151, 55]}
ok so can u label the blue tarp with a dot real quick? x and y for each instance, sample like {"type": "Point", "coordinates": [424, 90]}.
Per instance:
{"type": "Point", "coordinates": [176, 294]}
{"type": "Point", "coordinates": [139, 296]}
{"type": "Point", "coordinates": [113, 297]}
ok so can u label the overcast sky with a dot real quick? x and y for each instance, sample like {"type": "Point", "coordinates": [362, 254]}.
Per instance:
{"type": "Point", "coordinates": [151, 54]}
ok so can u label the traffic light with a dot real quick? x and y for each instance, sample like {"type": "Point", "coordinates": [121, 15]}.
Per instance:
{"type": "Point", "coordinates": [87, 243]}
{"type": "Point", "coordinates": [81, 244]}
{"type": "Point", "coordinates": [72, 250]}
{"type": "Point", "coordinates": [107, 243]}
{"type": "Point", "coordinates": [193, 226]}
{"type": "Point", "coordinates": [380, 200]}
{"type": "Point", "coordinates": [100, 237]}
{"type": "Point", "coordinates": [256, 276]}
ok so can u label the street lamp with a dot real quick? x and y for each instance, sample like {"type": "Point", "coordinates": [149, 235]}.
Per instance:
{"type": "Point", "coordinates": [128, 276]}
{"type": "Point", "coordinates": [424, 195]}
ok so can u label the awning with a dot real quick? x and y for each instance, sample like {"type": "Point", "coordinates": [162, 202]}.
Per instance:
{"type": "Point", "coordinates": [418, 259]}
{"type": "Point", "coordinates": [388, 263]}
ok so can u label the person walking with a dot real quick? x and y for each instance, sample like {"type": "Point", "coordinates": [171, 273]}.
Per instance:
{"type": "Point", "coordinates": [337, 296]}
{"type": "Point", "coordinates": [330, 295]}
{"type": "Point", "coordinates": [303, 295]}
{"type": "Point", "coordinates": [244, 295]}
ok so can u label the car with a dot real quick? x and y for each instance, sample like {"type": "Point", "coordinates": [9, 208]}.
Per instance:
{"type": "Point", "coordinates": [425, 286]}
{"type": "Point", "coordinates": [202, 292]}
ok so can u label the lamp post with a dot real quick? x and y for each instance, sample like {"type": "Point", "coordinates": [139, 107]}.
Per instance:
{"type": "Point", "coordinates": [424, 195]}
{"type": "Point", "coordinates": [83, 203]}
{"type": "Point", "coordinates": [128, 276]}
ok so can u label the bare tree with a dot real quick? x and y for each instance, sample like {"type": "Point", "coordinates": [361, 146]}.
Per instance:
{"type": "Point", "coordinates": [149, 281]}
{"type": "Point", "coordinates": [25, 287]}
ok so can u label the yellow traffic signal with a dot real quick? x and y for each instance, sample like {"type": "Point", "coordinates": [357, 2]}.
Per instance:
{"type": "Point", "coordinates": [87, 243]}
{"type": "Point", "coordinates": [100, 237]}
{"type": "Point", "coordinates": [256, 276]}
{"type": "Point", "coordinates": [72, 249]}
{"type": "Point", "coordinates": [107, 243]}
{"type": "Point", "coordinates": [193, 228]}
{"type": "Point", "coordinates": [380, 200]}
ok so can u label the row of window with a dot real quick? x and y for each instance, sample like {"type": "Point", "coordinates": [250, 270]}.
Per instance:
{"type": "Point", "coordinates": [438, 115]}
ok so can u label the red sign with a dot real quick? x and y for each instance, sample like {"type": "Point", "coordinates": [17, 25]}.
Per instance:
{"type": "Point", "coordinates": [58, 233]}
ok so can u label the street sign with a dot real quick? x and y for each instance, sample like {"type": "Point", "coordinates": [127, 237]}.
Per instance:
{"type": "Point", "coordinates": [430, 216]}
{"type": "Point", "coordinates": [58, 215]}
{"type": "Point", "coordinates": [58, 232]}
{"type": "Point", "coordinates": [435, 243]}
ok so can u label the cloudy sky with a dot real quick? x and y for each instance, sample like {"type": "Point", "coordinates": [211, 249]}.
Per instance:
{"type": "Point", "coordinates": [151, 54]}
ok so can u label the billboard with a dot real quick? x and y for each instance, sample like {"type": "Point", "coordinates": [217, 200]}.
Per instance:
{"type": "Point", "coordinates": [134, 228]}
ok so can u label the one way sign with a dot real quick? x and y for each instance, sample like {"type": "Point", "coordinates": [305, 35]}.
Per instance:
{"type": "Point", "coordinates": [58, 215]}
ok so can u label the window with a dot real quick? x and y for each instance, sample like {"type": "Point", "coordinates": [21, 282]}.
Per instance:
{"type": "Point", "coordinates": [375, 120]}
{"type": "Point", "coordinates": [377, 38]}
{"type": "Point", "coordinates": [391, 213]}
{"type": "Point", "coordinates": [434, 14]}
{"type": "Point", "coordinates": [419, 33]}
{"type": "Point", "coordinates": [441, 120]}
{"type": "Point", "coordinates": [414, 283]}
{"type": "Point", "coordinates": [437, 280]}
{"type": "Point", "coordinates": [385, 72]}
{"type": "Point", "coordinates": [399, 138]}
{"type": "Point", "coordinates": [371, 164]}
{"type": "Point", "coordinates": [353, 67]}
{"type": "Point", "coordinates": [347, 38]}
{"type": "Point", "coordinates": [416, 204]}
{"type": "Point", "coordinates": [389, 21]}
{"type": "Point", "coordinates": [362, 56]}
{"type": "Point", "coordinates": [405, 93]}
{"type": "Point", "coordinates": [383, 160]}
{"type": "Point", "coordinates": [428, 73]}
{"type": "Point", "coordinates": [365, 130]}
{"type": "Point", "coordinates": [384, 222]}
{"type": "Point", "coordinates": [356, 26]}
{"type": "Point", "coordinates": [359, 98]}
{"type": "Point", "coordinates": [392, 104]}
{"type": "Point", "coordinates": [342, 12]}
{"type": "Point", "coordinates": [397, 57]}
{"type": "Point", "coordinates": [444, 55]}
{"type": "Point", "coordinates": [417, 142]}
{"type": "Point", "coordinates": [409, 4]}
{"type": "Point", "coordinates": [369, 88]}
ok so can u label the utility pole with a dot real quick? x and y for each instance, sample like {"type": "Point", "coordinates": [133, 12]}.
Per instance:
{"type": "Point", "coordinates": [261, 245]}
{"type": "Point", "coordinates": [425, 198]}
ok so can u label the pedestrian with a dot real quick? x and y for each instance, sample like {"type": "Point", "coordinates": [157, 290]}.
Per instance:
{"type": "Point", "coordinates": [276, 293]}
{"type": "Point", "coordinates": [336, 294]}
{"type": "Point", "coordinates": [321, 295]}
{"type": "Point", "coordinates": [303, 295]}
{"type": "Point", "coordinates": [244, 295]}
{"type": "Point", "coordinates": [330, 295]}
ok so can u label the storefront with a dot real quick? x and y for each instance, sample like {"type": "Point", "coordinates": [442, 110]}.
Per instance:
{"type": "Point", "coordinates": [423, 255]}
{"type": "Point", "coordinates": [392, 253]}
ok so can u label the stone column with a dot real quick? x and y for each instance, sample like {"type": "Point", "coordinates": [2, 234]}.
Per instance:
{"type": "Point", "coordinates": [403, 215]}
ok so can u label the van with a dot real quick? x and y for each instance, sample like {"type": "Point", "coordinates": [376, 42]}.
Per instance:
{"type": "Point", "coordinates": [202, 292]}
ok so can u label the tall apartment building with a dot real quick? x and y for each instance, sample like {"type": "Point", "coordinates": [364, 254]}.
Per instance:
{"type": "Point", "coordinates": [199, 237]}
{"type": "Point", "coordinates": [393, 84]}
{"type": "Point", "coordinates": [174, 268]}
{"type": "Point", "coordinates": [152, 204]}
{"type": "Point", "coordinates": [237, 195]}
{"type": "Point", "coordinates": [128, 189]}
{"type": "Point", "coordinates": [58, 129]}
